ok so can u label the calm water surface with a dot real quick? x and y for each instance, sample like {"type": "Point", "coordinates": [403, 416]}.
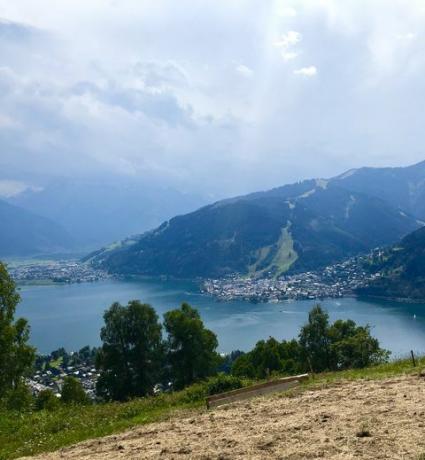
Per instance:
{"type": "Point", "coordinates": [71, 315]}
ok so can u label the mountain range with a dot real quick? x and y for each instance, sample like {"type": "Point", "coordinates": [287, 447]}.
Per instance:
{"type": "Point", "coordinates": [97, 211]}
{"type": "Point", "coordinates": [403, 188]}
{"type": "Point", "coordinates": [24, 233]}
{"type": "Point", "coordinates": [296, 227]}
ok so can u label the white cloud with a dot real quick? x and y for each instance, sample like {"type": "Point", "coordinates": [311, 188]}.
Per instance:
{"type": "Point", "coordinates": [289, 39]}
{"type": "Point", "coordinates": [310, 71]}
{"type": "Point", "coordinates": [244, 70]}
{"type": "Point", "coordinates": [286, 43]}
{"type": "Point", "coordinates": [160, 88]}
{"type": "Point", "coordinates": [289, 55]}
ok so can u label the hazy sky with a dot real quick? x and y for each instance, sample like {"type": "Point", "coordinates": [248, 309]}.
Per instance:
{"type": "Point", "coordinates": [224, 96]}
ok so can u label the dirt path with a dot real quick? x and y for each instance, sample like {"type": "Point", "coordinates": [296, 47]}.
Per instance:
{"type": "Point", "coordinates": [382, 419]}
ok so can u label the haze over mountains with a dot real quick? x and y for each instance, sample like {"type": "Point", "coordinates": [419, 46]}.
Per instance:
{"type": "Point", "coordinates": [294, 227]}
{"type": "Point", "coordinates": [291, 228]}
{"type": "Point", "coordinates": [97, 212]}
{"type": "Point", "coordinates": [24, 233]}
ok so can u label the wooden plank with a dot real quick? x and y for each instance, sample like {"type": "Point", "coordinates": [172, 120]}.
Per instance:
{"type": "Point", "coordinates": [281, 384]}
{"type": "Point", "coordinates": [270, 383]}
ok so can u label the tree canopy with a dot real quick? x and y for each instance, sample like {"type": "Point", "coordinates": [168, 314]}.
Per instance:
{"type": "Point", "coordinates": [16, 356]}
{"type": "Point", "coordinates": [132, 353]}
{"type": "Point", "coordinates": [321, 347]}
{"type": "Point", "coordinates": [191, 348]}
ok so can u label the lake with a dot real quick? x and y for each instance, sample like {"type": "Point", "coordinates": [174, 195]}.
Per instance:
{"type": "Point", "coordinates": [71, 315]}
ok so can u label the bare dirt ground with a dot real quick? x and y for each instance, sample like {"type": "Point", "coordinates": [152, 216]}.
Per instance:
{"type": "Point", "coordinates": [381, 419]}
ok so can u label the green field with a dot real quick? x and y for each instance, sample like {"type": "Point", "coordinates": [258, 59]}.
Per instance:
{"type": "Point", "coordinates": [35, 432]}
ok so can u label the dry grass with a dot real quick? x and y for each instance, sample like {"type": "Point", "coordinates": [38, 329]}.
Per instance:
{"type": "Point", "coordinates": [381, 418]}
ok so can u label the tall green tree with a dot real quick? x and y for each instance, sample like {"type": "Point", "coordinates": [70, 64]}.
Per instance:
{"type": "Point", "coordinates": [315, 341]}
{"type": "Point", "coordinates": [16, 356]}
{"type": "Point", "coordinates": [191, 347]}
{"type": "Point", "coordinates": [132, 353]}
{"type": "Point", "coordinates": [354, 346]}
{"type": "Point", "coordinates": [342, 345]}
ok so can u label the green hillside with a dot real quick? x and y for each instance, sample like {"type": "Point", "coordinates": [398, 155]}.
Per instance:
{"type": "Point", "coordinates": [292, 228]}
{"type": "Point", "coordinates": [403, 270]}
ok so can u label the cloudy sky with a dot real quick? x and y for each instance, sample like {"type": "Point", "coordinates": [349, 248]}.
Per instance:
{"type": "Point", "coordinates": [223, 96]}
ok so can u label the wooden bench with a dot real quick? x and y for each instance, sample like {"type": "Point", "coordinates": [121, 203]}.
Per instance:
{"type": "Point", "coordinates": [281, 384]}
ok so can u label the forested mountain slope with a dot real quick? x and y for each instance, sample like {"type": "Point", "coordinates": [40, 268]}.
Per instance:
{"type": "Point", "coordinates": [292, 228]}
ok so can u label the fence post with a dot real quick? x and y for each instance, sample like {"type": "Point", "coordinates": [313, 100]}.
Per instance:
{"type": "Point", "coordinates": [413, 358]}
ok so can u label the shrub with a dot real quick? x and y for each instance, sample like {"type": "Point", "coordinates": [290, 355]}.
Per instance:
{"type": "Point", "coordinates": [46, 399]}
{"type": "Point", "coordinates": [73, 392]}
{"type": "Point", "coordinates": [222, 383]}
{"type": "Point", "coordinates": [19, 399]}
{"type": "Point", "coordinates": [195, 392]}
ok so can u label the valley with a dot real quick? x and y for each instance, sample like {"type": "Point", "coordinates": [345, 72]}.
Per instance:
{"type": "Point", "coordinates": [204, 202]}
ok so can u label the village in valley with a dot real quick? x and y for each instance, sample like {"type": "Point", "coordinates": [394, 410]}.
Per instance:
{"type": "Point", "coordinates": [62, 271]}
{"type": "Point", "coordinates": [333, 281]}
{"type": "Point", "coordinates": [51, 370]}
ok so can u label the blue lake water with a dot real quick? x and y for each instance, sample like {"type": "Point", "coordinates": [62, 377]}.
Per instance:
{"type": "Point", "coordinates": [71, 315]}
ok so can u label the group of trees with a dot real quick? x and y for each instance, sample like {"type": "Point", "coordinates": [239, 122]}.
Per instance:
{"type": "Point", "coordinates": [134, 357]}
{"type": "Point", "coordinates": [321, 347]}
{"type": "Point", "coordinates": [138, 352]}
{"type": "Point", "coordinates": [84, 356]}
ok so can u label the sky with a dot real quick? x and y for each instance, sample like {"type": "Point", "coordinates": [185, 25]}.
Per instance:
{"type": "Point", "coordinates": [220, 97]}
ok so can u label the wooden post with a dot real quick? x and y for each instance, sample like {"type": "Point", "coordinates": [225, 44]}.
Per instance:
{"type": "Point", "coordinates": [413, 358]}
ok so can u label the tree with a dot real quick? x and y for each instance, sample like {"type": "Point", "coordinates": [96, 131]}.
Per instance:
{"type": "Point", "coordinates": [132, 353]}
{"type": "Point", "coordinates": [242, 367]}
{"type": "Point", "coordinates": [47, 400]}
{"type": "Point", "coordinates": [315, 341]}
{"type": "Point", "coordinates": [191, 348]}
{"type": "Point", "coordinates": [73, 392]}
{"type": "Point", "coordinates": [266, 358]}
{"type": "Point", "coordinates": [353, 346]}
{"type": "Point", "coordinates": [342, 345]}
{"type": "Point", "coordinates": [16, 356]}
{"type": "Point", "coordinates": [19, 398]}
{"type": "Point", "coordinates": [291, 354]}
{"type": "Point", "coordinates": [269, 356]}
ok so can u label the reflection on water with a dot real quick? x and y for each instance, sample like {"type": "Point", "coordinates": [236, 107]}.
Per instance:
{"type": "Point", "coordinates": [71, 315]}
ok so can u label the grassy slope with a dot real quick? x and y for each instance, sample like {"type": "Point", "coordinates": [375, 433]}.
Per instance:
{"type": "Point", "coordinates": [26, 434]}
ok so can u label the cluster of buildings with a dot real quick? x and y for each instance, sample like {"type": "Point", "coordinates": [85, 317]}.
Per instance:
{"type": "Point", "coordinates": [52, 378]}
{"type": "Point", "coordinates": [57, 271]}
{"type": "Point", "coordinates": [334, 281]}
